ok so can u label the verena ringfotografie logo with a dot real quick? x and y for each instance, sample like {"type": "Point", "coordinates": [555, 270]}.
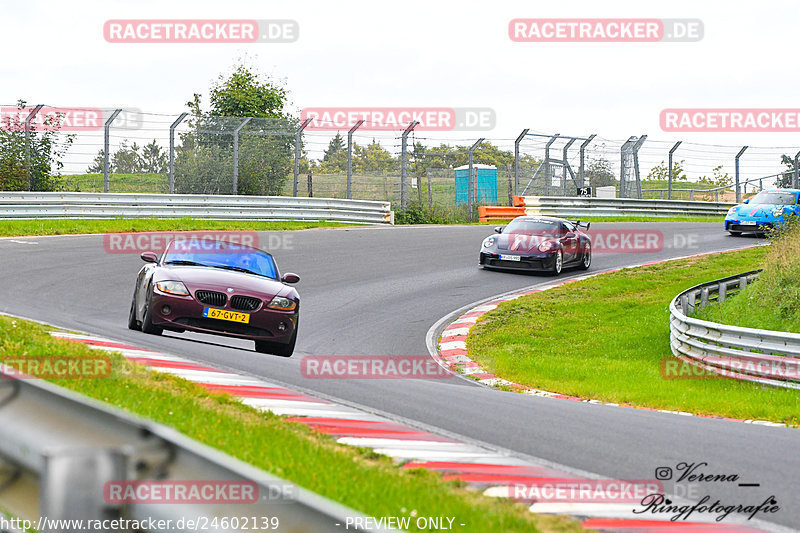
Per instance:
{"type": "Point", "coordinates": [730, 120]}
{"type": "Point", "coordinates": [211, 242]}
{"type": "Point", "coordinates": [393, 118]}
{"type": "Point", "coordinates": [200, 31]}
{"type": "Point", "coordinates": [66, 119]}
{"type": "Point", "coordinates": [605, 30]}
{"type": "Point", "coordinates": [372, 367]}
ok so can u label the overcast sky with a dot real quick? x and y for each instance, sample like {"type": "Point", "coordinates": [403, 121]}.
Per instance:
{"type": "Point", "coordinates": [424, 53]}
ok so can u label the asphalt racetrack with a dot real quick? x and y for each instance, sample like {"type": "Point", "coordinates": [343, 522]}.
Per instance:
{"type": "Point", "coordinates": [377, 291]}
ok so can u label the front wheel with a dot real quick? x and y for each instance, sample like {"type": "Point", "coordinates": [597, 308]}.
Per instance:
{"type": "Point", "coordinates": [586, 261]}
{"type": "Point", "coordinates": [132, 322]}
{"type": "Point", "coordinates": [277, 348]}
{"type": "Point", "coordinates": [558, 264]}
{"type": "Point", "coordinates": [147, 321]}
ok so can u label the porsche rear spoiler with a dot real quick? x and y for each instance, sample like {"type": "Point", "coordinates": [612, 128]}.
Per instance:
{"type": "Point", "coordinates": [584, 224]}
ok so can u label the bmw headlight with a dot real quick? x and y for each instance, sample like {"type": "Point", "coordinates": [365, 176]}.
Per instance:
{"type": "Point", "coordinates": [489, 241]}
{"type": "Point", "coordinates": [172, 287]}
{"type": "Point", "coordinates": [282, 304]}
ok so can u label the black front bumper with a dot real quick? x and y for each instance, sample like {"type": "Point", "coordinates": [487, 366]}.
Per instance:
{"type": "Point", "coordinates": [540, 262]}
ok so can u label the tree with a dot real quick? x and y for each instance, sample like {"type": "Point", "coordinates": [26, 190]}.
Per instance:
{"type": "Point", "coordinates": [660, 172]}
{"type": "Point", "coordinates": [204, 160]}
{"type": "Point", "coordinates": [34, 164]}
{"type": "Point", "coordinates": [600, 174]}
{"type": "Point", "coordinates": [719, 178]}
{"type": "Point", "coordinates": [153, 159]}
{"type": "Point", "coordinates": [334, 159]}
{"type": "Point", "coordinates": [373, 158]}
{"type": "Point", "coordinates": [786, 179]}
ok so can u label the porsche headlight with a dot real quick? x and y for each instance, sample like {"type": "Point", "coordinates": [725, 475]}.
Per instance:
{"type": "Point", "coordinates": [172, 287]}
{"type": "Point", "coordinates": [282, 304]}
{"type": "Point", "coordinates": [489, 241]}
{"type": "Point", "coordinates": [547, 246]}
{"type": "Point", "coordinates": [732, 210]}
{"type": "Point", "coordinates": [778, 212]}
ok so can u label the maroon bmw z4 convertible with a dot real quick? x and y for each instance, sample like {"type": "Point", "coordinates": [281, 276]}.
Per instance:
{"type": "Point", "coordinates": [217, 287]}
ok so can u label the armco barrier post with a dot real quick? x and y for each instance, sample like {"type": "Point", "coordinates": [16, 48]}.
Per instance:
{"type": "Point", "coordinates": [516, 159]}
{"type": "Point", "coordinates": [297, 139]}
{"type": "Point", "coordinates": [403, 156]}
{"type": "Point", "coordinates": [738, 190]}
{"type": "Point", "coordinates": [172, 151]}
{"type": "Point", "coordinates": [582, 170]}
{"type": "Point", "coordinates": [236, 155]}
{"type": "Point", "coordinates": [350, 158]}
{"type": "Point", "coordinates": [106, 143]}
{"type": "Point", "coordinates": [471, 180]}
{"type": "Point", "coordinates": [31, 185]}
{"type": "Point", "coordinates": [669, 178]}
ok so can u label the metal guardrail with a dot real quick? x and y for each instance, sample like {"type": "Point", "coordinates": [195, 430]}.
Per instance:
{"type": "Point", "coordinates": [576, 207]}
{"type": "Point", "coordinates": [58, 450]}
{"type": "Point", "coordinates": [762, 356]}
{"type": "Point", "coordinates": [31, 205]}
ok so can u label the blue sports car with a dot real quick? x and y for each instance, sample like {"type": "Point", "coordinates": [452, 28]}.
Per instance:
{"type": "Point", "coordinates": [763, 211]}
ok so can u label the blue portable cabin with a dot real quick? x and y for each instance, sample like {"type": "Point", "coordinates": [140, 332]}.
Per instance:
{"type": "Point", "coordinates": [485, 183]}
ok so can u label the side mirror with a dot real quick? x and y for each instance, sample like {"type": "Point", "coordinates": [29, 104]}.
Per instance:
{"type": "Point", "coordinates": [747, 201]}
{"type": "Point", "coordinates": [290, 278]}
{"type": "Point", "coordinates": [499, 229]}
{"type": "Point", "coordinates": [149, 257]}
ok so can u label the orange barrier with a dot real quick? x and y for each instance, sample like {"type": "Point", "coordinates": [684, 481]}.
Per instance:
{"type": "Point", "coordinates": [518, 201]}
{"type": "Point", "coordinates": [490, 214]}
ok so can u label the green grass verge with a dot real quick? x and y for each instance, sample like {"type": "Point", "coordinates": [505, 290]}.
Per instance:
{"type": "Point", "coordinates": [606, 338]}
{"type": "Point", "coordinates": [773, 300]}
{"type": "Point", "coordinates": [15, 228]}
{"type": "Point", "coordinates": [355, 477]}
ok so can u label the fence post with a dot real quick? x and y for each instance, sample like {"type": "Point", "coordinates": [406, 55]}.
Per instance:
{"type": "Point", "coordinates": [669, 178]}
{"type": "Point", "coordinates": [172, 151]}
{"type": "Point", "coordinates": [350, 158]}
{"type": "Point", "coordinates": [795, 181]}
{"type": "Point", "coordinates": [403, 154]}
{"type": "Point", "coordinates": [28, 144]}
{"type": "Point", "coordinates": [106, 136]}
{"type": "Point", "coordinates": [471, 181]}
{"type": "Point", "coordinates": [636, 147]}
{"type": "Point", "coordinates": [236, 155]}
{"type": "Point", "coordinates": [516, 158]}
{"type": "Point", "coordinates": [547, 178]}
{"type": "Point", "coordinates": [565, 167]}
{"type": "Point", "coordinates": [582, 170]}
{"type": "Point", "coordinates": [738, 190]}
{"type": "Point", "coordinates": [297, 139]}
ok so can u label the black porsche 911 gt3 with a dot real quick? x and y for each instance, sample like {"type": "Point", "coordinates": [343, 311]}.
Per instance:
{"type": "Point", "coordinates": [538, 243]}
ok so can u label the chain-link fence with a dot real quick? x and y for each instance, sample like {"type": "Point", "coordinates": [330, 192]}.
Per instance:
{"type": "Point", "coordinates": [127, 150]}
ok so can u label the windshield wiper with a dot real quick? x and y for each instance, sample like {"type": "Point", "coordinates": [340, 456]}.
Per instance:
{"type": "Point", "coordinates": [237, 269]}
{"type": "Point", "coordinates": [184, 262]}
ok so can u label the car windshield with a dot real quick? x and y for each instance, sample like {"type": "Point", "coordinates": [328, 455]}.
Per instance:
{"type": "Point", "coordinates": [776, 198]}
{"type": "Point", "coordinates": [533, 227]}
{"type": "Point", "coordinates": [221, 254]}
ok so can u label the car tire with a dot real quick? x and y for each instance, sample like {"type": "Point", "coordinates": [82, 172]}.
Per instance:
{"type": "Point", "coordinates": [558, 264]}
{"type": "Point", "coordinates": [586, 260]}
{"type": "Point", "coordinates": [147, 321]}
{"type": "Point", "coordinates": [133, 324]}
{"type": "Point", "coordinates": [277, 348]}
{"type": "Point", "coordinates": [735, 233]}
